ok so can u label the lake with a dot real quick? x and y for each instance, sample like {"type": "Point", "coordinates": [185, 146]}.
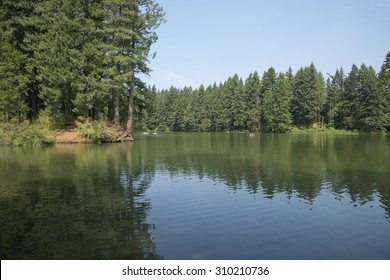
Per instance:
{"type": "Point", "coordinates": [198, 196]}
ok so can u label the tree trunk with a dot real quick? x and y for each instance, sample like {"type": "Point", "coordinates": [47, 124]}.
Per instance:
{"type": "Point", "coordinates": [116, 107]}
{"type": "Point", "coordinates": [95, 111]}
{"type": "Point", "coordinates": [86, 112]}
{"type": "Point", "coordinates": [33, 95]}
{"type": "Point", "coordinates": [34, 106]}
{"type": "Point", "coordinates": [129, 124]}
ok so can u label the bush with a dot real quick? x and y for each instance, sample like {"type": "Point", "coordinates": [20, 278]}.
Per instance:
{"type": "Point", "coordinates": [7, 132]}
{"type": "Point", "coordinates": [24, 134]}
{"type": "Point", "coordinates": [95, 131]}
{"type": "Point", "coordinates": [48, 121]}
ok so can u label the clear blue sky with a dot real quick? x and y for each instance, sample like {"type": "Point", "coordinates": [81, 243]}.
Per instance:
{"type": "Point", "coordinates": [206, 41]}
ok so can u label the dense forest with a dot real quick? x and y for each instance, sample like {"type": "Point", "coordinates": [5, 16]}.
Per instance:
{"type": "Point", "coordinates": [70, 58]}
{"type": "Point", "coordinates": [65, 60]}
{"type": "Point", "coordinates": [277, 102]}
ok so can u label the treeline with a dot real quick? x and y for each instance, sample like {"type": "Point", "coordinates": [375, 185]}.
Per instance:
{"type": "Point", "coordinates": [70, 58]}
{"type": "Point", "coordinates": [277, 102]}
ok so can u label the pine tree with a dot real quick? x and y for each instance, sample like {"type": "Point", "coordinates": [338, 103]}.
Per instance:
{"type": "Point", "coordinates": [212, 106]}
{"type": "Point", "coordinates": [57, 52]}
{"type": "Point", "coordinates": [307, 97]}
{"type": "Point", "coordinates": [148, 98]}
{"type": "Point", "coordinates": [290, 77]}
{"type": "Point", "coordinates": [334, 92]}
{"type": "Point", "coordinates": [276, 106]}
{"type": "Point", "coordinates": [233, 111]}
{"type": "Point", "coordinates": [252, 101]}
{"type": "Point", "coordinates": [117, 30]}
{"type": "Point", "coordinates": [384, 87]}
{"type": "Point", "coordinates": [147, 17]}
{"type": "Point", "coordinates": [18, 89]}
{"type": "Point", "coordinates": [347, 115]}
{"type": "Point", "coordinates": [13, 79]}
{"type": "Point", "coordinates": [92, 99]}
{"type": "Point", "coordinates": [268, 82]}
{"type": "Point", "coordinates": [371, 113]}
{"type": "Point", "coordinates": [282, 93]}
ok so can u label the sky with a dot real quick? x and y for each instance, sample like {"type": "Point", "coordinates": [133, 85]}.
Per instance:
{"type": "Point", "coordinates": [207, 41]}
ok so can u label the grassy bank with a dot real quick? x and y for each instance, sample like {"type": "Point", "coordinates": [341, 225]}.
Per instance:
{"type": "Point", "coordinates": [333, 131]}
{"type": "Point", "coordinates": [326, 131]}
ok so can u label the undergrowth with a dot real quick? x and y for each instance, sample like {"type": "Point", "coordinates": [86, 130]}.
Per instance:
{"type": "Point", "coordinates": [24, 134]}
{"type": "Point", "coordinates": [95, 131]}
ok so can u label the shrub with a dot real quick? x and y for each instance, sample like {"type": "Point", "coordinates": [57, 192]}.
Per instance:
{"type": "Point", "coordinates": [95, 131]}
{"type": "Point", "coordinates": [24, 134]}
{"type": "Point", "coordinates": [7, 132]}
{"type": "Point", "coordinates": [48, 121]}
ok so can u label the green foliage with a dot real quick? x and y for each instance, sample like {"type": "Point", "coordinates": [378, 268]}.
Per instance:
{"type": "Point", "coordinates": [50, 121]}
{"type": "Point", "coordinates": [252, 101]}
{"type": "Point", "coordinates": [71, 58]}
{"type": "Point", "coordinates": [372, 114]}
{"type": "Point", "coordinates": [384, 88]}
{"type": "Point", "coordinates": [307, 96]}
{"type": "Point", "coordinates": [276, 106]}
{"type": "Point", "coordinates": [95, 131]}
{"type": "Point", "coordinates": [31, 135]}
{"type": "Point", "coordinates": [13, 79]}
{"type": "Point", "coordinates": [64, 59]}
{"type": "Point", "coordinates": [7, 133]}
{"type": "Point", "coordinates": [349, 106]}
{"type": "Point", "coordinates": [335, 89]}
{"type": "Point", "coordinates": [24, 134]}
{"type": "Point", "coordinates": [317, 129]}
{"type": "Point", "coordinates": [353, 102]}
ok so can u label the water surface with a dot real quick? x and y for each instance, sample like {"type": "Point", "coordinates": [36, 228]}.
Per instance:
{"type": "Point", "coordinates": [198, 196]}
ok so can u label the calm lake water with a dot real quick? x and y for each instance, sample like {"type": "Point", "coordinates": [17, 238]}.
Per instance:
{"type": "Point", "coordinates": [198, 196]}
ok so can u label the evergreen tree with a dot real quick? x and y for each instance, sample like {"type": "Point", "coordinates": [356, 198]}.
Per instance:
{"type": "Point", "coordinates": [179, 111]}
{"type": "Point", "coordinates": [14, 81]}
{"type": "Point", "coordinates": [72, 58]}
{"type": "Point", "coordinates": [348, 113]}
{"type": "Point", "coordinates": [290, 77]}
{"type": "Point", "coordinates": [145, 122]}
{"type": "Point", "coordinates": [233, 112]}
{"type": "Point", "coordinates": [212, 106]}
{"type": "Point", "coordinates": [18, 95]}
{"type": "Point", "coordinates": [334, 93]}
{"type": "Point", "coordinates": [224, 114]}
{"type": "Point", "coordinates": [252, 101]}
{"type": "Point", "coordinates": [187, 94]}
{"type": "Point", "coordinates": [384, 84]}
{"type": "Point", "coordinates": [93, 98]}
{"type": "Point", "coordinates": [147, 17]}
{"type": "Point", "coordinates": [307, 97]}
{"type": "Point", "coordinates": [57, 58]}
{"type": "Point", "coordinates": [268, 82]}
{"type": "Point", "coordinates": [226, 120]}
{"type": "Point", "coordinates": [371, 113]}
{"type": "Point", "coordinates": [277, 102]}
{"type": "Point", "coordinates": [282, 93]}
{"type": "Point", "coordinates": [119, 19]}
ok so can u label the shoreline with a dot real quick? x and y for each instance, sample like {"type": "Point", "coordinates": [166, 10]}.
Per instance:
{"type": "Point", "coordinates": [33, 136]}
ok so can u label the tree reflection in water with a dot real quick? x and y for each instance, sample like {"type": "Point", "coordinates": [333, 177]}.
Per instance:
{"type": "Point", "coordinates": [90, 203]}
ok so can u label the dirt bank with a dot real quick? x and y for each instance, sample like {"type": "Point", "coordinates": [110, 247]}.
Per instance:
{"type": "Point", "coordinates": [69, 135]}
